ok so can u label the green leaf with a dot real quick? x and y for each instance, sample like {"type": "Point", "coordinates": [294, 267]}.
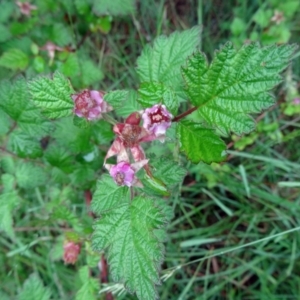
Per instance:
{"type": "Point", "coordinates": [14, 59]}
{"type": "Point", "coordinates": [34, 289]}
{"type": "Point", "coordinates": [199, 143]}
{"type": "Point", "coordinates": [30, 176]}
{"type": "Point", "coordinates": [15, 101]}
{"type": "Point", "coordinates": [235, 84]}
{"type": "Point", "coordinates": [53, 96]}
{"type": "Point", "coordinates": [90, 73]}
{"type": "Point", "coordinates": [71, 66]}
{"type": "Point", "coordinates": [102, 132]}
{"type": "Point", "coordinates": [59, 157]}
{"type": "Point", "coordinates": [61, 35]}
{"type": "Point", "coordinates": [135, 252]}
{"type": "Point", "coordinates": [75, 139]}
{"type": "Point", "coordinates": [151, 93]}
{"type": "Point", "coordinates": [7, 9]}
{"type": "Point", "coordinates": [8, 201]}
{"type": "Point", "coordinates": [4, 33]}
{"type": "Point", "coordinates": [83, 6]}
{"type": "Point", "coordinates": [168, 171]}
{"type": "Point", "coordinates": [24, 145]}
{"type": "Point", "coordinates": [116, 98]}
{"type": "Point", "coordinates": [90, 286]}
{"type": "Point", "coordinates": [108, 195]}
{"type": "Point", "coordinates": [162, 62]}
{"type": "Point", "coordinates": [116, 7]}
{"type": "Point", "coordinates": [129, 106]}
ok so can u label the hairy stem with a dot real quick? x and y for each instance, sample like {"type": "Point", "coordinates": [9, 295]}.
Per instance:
{"type": "Point", "coordinates": [186, 113]}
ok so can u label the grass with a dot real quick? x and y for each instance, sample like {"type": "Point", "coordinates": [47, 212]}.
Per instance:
{"type": "Point", "coordinates": [235, 234]}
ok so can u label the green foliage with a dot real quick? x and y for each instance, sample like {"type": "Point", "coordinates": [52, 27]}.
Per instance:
{"type": "Point", "coordinates": [24, 145]}
{"type": "Point", "coordinates": [29, 176]}
{"type": "Point", "coordinates": [14, 59]}
{"type": "Point", "coordinates": [90, 286]}
{"type": "Point", "coordinates": [15, 101]}
{"type": "Point", "coordinates": [117, 7]}
{"type": "Point", "coordinates": [200, 143]}
{"type": "Point", "coordinates": [235, 84]}
{"type": "Point", "coordinates": [159, 67]}
{"type": "Point", "coordinates": [108, 195]}
{"type": "Point", "coordinates": [135, 249]}
{"type": "Point", "coordinates": [34, 289]}
{"type": "Point", "coordinates": [53, 96]}
{"type": "Point", "coordinates": [151, 93]}
{"type": "Point", "coordinates": [8, 201]}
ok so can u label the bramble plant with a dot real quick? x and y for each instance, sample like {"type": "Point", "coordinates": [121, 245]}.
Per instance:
{"type": "Point", "coordinates": [87, 129]}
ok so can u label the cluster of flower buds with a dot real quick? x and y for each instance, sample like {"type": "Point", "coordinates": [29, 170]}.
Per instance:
{"type": "Point", "coordinates": [129, 135]}
{"type": "Point", "coordinates": [71, 252]}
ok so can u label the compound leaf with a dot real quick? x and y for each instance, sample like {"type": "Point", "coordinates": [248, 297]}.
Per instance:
{"type": "Point", "coordinates": [235, 84]}
{"type": "Point", "coordinates": [131, 233]}
{"type": "Point", "coordinates": [53, 96]}
{"type": "Point", "coordinates": [199, 143]}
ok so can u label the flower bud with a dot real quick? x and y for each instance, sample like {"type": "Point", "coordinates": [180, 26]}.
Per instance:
{"type": "Point", "coordinates": [71, 252]}
{"type": "Point", "coordinates": [157, 120]}
{"type": "Point", "coordinates": [90, 105]}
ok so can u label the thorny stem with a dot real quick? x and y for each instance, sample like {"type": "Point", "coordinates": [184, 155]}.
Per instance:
{"type": "Point", "coordinates": [189, 111]}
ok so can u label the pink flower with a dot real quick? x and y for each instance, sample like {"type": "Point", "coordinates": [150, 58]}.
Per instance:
{"type": "Point", "coordinates": [71, 252]}
{"type": "Point", "coordinates": [123, 173]}
{"type": "Point", "coordinates": [51, 48]}
{"type": "Point", "coordinates": [26, 7]}
{"type": "Point", "coordinates": [157, 120]}
{"type": "Point", "coordinates": [90, 105]}
{"type": "Point", "coordinates": [296, 101]}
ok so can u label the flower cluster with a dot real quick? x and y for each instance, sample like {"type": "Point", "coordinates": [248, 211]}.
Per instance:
{"type": "Point", "coordinates": [156, 121]}
{"type": "Point", "coordinates": [129, 135]}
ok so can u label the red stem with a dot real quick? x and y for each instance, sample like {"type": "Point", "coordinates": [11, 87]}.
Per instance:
{"type": "Point", "coordinates": [189, 111]}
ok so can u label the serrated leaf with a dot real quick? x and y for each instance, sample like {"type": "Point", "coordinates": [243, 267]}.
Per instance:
{"type": "Point", "coordinates": [7, 9]}
{"type": "Point", "coordinates": [53, 96]}
{"type": "Point", "coordinates": [14, 59]}
{"type": "Point", "coordinates": [24, 145]}
{"type": "Point", "coordinates": [15, 101]}
{"type": "Point", "coordinates": [134, 251]}
{"type": "Point", "coordinates": [168, 171]}
{"type": "Point", "coordinates": [116, 98]}
{"type": "Point", "coordinates": [116, 7]}
{"type": "Point", "coordinates": [162, 62]}
{"type": "Point", "coordinates": [235, 84]}
{"type": "Point", "coordinates": [30, 176]}
{"type": "Point", "coordinates": [83, 176]}
{"type": "Point", "coordinates": [199, 143]}
{"type": "Point", "coordinates": [34, 289]}
{"type": "Point", "coordinates": [128, 106]}
{"type": "Point", "coordinates": [151, 93]}
{"type": "Point", "coordinates": [108, 195]}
